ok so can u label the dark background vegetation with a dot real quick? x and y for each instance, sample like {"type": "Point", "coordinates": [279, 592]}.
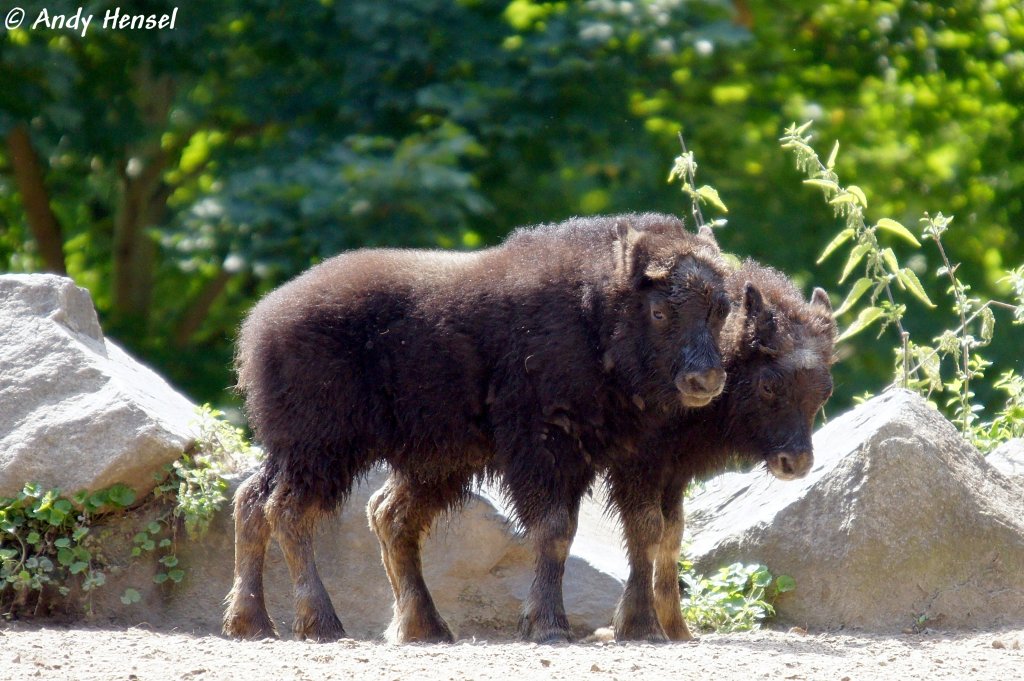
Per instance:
{"type": "Point", "coordinates": [179, 175]}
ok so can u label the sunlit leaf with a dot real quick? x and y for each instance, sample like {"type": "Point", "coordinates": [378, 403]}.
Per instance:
{"type": "Point", "coordinates": [836, 242]}
{"type": "Point", "coordinates": [899, 230]}
{"type": "Point", "coordinates": [865, 319]}
{"type": "Point", "coordinates": [859, 193]}
{"type": "Point", "coordinates": [856, 255]}
{"type": "Point", "coordinates": [907, 277]}
{"type": "Point", "coordinates": [858, 289]}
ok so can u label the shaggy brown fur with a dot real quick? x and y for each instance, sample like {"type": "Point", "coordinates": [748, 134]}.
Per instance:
{"type": "Point", "coordinates": [777, 350]}
{"type": "Point", "coordinates": [536, 361]}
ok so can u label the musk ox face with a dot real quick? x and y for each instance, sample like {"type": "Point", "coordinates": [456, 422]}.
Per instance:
{"type": "Point", "coordinates": [685, 312]}
{"type": "Point", "coordinates": [781, 379]}
{"type": "Point", "coordinates": [674, 308]}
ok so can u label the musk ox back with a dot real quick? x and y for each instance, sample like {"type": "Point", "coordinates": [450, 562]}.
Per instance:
{"type": "Point", "coordinates": [535, 361]}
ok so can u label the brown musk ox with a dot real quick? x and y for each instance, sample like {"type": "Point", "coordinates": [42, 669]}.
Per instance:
{"type": "Point", "coordinates": [777, 350]}
{"type": "Point", "coordinates": [533, 362]}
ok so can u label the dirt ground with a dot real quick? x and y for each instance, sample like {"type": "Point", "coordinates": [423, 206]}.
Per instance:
{"type": "Point", "coordinates": [82, 653]}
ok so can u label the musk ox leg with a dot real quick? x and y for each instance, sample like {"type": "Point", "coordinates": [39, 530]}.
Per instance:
{"type": "Point", "coordinates": [666, 566]}
{"type": "Point", "coordinates": [400, 514]}
{"type": "Point", "coordinates": [246, 615]}
{"type": "Point", "coordinates": [635, 617]}
{"type": "Point", "coordinates": [544, 619]}
{"type": "Point", "coordinates": [292, 521]}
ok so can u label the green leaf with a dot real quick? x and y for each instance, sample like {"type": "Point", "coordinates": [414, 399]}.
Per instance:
{"type": "Point", "coordinates": [33, 538]}
{"type": "Point", "coordinates": [130, 596]}
{"type": "Point", "coordinates": [899, 230]}
{"type": "Point", "coordinates": [988, 324]}
{"type": "Point", "coordinates": [832, 157]}
{"type": "Point", "coordinates": [890, 261]}
{"type": "Point", "coordinates": [710, 194]}
{"type": "Point", "coordinates": [121, 495]}
{"type": "Point", "coordinates": [866, 317]}
{"type": "Point", "coordinates": [78, 567]}
{"type": "Point", "coordinates": [859, 193]}
{"type": "Point", "coordinates": [846, 197]}
{"type": "Point", "coordinates": [784, 584]}
{"type": "Point", "coordinates": [160, 578]}
{"type": "Point", "coordinates": [822, 183]}
{"type": "Point", "coordinates": [65, 557]}
{"type": "Point", "coordinates": [62, 543]}
{"type": "Point", "coordinates": [153, 527]}
{"type": "Point", "coordinates": [836, 242]}
{"type": "Point", "coordinates": [176, 575]}
{"type": "Point", "coordinates": [856, 255]}
{"type": "Point", "coordinates": [858, 289]}
{"type": "Point", "coordinates": [907, 277]}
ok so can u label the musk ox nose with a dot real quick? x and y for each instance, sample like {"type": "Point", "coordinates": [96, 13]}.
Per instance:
{"type": "Point", "coordinates": [790, 465]}
{"type": "Point", "coordinates": [698, 388]}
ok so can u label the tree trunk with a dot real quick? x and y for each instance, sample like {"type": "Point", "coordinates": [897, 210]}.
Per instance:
{"type": "Point", "coordinates": [28, 176]}
{"type": "Point", "coordinates": [199, 308]}
{"type": "Point", "coordinates": [142, 205]}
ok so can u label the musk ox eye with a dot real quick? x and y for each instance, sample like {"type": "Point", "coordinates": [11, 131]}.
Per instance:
{"type": "Point", "coordinates": [766, 388]}
{"type": "Point", "coordinates": [720, 307]}
{"type": "Point", "coordinates": [657, 314]}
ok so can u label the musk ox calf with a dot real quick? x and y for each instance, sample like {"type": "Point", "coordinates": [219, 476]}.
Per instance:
{"type": "Point", "coordinates": [777, 351]}
{"type": "Point", "coordinates": [536, 361]}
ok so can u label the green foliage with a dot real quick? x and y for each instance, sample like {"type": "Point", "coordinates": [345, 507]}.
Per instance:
{"type": "Point", "coordinates": [48, 546]}
{"type": "Point", "coordinates": [737, 597]}
{"type": "Point", "coordinates": [952, 362]}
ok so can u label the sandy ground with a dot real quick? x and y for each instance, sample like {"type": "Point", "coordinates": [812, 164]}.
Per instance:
{"type": "Point", "coordinates": [82, 653]}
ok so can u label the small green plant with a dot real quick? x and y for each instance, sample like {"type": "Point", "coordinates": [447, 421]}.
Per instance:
{"type": "Point", "coordinates": [951, 363]}
{"type": "Point", "coordinates": [49, 547]}
{"type": "Point", "coordinates": [190, 491]}
{"type": "Point", "coordinates": [46, 547]}
{"type": "Point", "coordinates": [737, 597]}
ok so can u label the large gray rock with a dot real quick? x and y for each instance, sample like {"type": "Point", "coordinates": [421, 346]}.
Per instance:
{"type": "Point", "coordinates": [1008, 458]}
{"type": "Point", "coordinates": [476, 564]}
{"type": "Point", "coordinates": [75, 410]}
{"type": "Point", "coordinates": [899, 522]}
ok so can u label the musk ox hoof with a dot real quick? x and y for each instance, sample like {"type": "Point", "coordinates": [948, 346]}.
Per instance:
{"type": "Point", "coordinates": [679, 632]}
{"type": "Point", "coordinates": [416, 630]}
{"type": "Point", "coordinates": [640, 629]}
{"type": "Point", "coordinates": [551, 636]}
{"type": "Point", "coordinates": [322, 628]}
{"type": "Point", "coordinates": [253, 627]}
{"type": "Point", "coordinates": [534, 631]}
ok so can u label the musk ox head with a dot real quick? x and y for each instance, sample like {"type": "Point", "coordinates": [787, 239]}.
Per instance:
{"type": "Point", "coordinates": [671, 306]}
{"type": "Point", "coordinates": [779, 361]}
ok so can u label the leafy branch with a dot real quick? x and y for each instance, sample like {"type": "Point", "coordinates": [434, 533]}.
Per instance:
{"type": "Point", "coordinates": [918, 366]}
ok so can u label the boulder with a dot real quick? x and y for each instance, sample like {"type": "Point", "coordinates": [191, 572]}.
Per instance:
{"type": "Point", "coordinates": [76, 411]}
{"type": "Point", "coordinates": [900, 523]}
{"type": "Point", "coordinates": [1008, 458]}
{"type": "Point", "coordinates": [476, 564]}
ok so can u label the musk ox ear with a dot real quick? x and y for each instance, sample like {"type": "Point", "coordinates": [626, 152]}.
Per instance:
{"type": "Point", "coordinates": [708, 234]}
{"type": "Point", "coordinates": [636, 257]}
{"type": "Point", "coordinates": [753, 303]}
{"type": "Point", "coordinates": [820, 298]}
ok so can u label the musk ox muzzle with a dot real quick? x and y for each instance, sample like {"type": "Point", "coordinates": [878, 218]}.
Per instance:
{"type": "Point", "coordinates": [698, 388]}
{"type": "Point", "coordinates": [790, 465]}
